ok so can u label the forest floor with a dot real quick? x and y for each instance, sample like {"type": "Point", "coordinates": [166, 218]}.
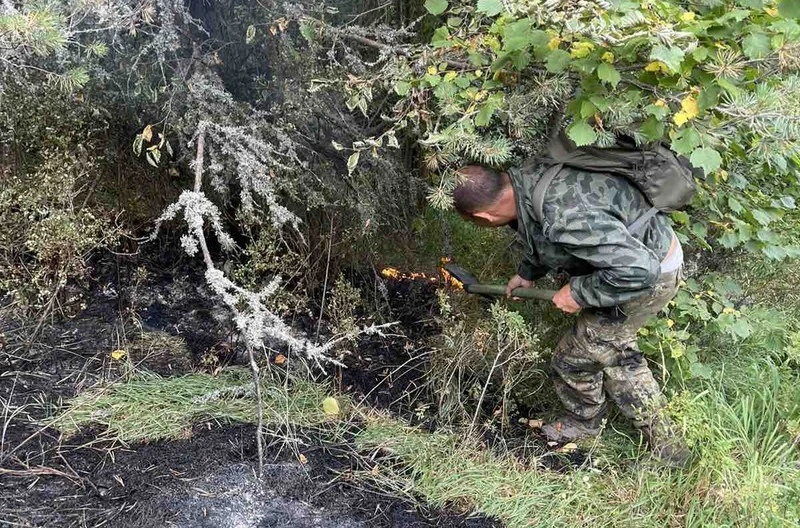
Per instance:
{"type": "Point", "coordinates": [161, 434]}
{"type": "Point", "coordinates": [208, 477]}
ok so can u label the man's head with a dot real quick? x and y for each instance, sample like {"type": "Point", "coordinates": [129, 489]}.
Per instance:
{"type": "Point", "coordinates": [485, 196]}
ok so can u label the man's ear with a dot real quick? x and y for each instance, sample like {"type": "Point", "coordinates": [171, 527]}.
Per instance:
{"type": "Point", "coordinates": [483, 215]}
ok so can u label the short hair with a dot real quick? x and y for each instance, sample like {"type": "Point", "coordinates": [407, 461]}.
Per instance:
{"type": "Point", "coordinates": [480, 188]}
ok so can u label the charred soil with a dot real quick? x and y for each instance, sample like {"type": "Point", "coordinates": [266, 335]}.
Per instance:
{"type": "Point", "coordinates": [208, 478]}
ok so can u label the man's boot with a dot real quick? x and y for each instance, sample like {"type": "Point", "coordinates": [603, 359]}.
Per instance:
{"type": "Point", "coordinates": [570, 428]}
{"type": "Point", "coordinates": [666, 444]}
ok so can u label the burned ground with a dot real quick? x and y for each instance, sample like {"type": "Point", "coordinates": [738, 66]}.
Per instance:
{"type": "Point", "coordinates": [208, 478]}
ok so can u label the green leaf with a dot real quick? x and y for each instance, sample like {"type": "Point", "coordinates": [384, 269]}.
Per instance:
{"type": "Point", "coordinates": [490, 7]}
{"type": "Point", "coordinates": [477, 59]}
{"type": "Point", "coordinates": [485, 114]}
{"type": "Point", "coordinates": [682, 217]}
{"type": "Point", "coordinates": [600, 102]}
{"type": "Point", "coordinates": [741, 328]}
{"type": "Point", "coordinates": [433, 80]}
{"type": "Point", "coordinates": [670, 56]}
{"type": "Point", "coordinates": [788, 202]}
{"type": "Point", "coordinates": [652, 128]}
{"type": "Point", "coordinates": [462, 82]}
{"type": "Point", "coordinates": [765, 235]}
{"type": "Point", "coordinates": [402, 88]}
{"type": "Point", "coordinates": [756, 45]}
{"type": "Point", "coordinates": [446, 91]}
{"type": "Point", "coordinates": [517, 35]}
{"type": "Point", "coordinates": [251, 34]}
{"type": "Point", "coordinates": [700, 54]}
{"type": "Point", "coordinates": [698, 370]}
{"type": "Point", "coordinates": [700, 230]}
{"type": "Point", "coordinates": [557, 61]}
{"type": "Point", "coordinates": [588, 109]}
{"type": "Point", "coordinates": [686, 142]}
{"type": "Point", "coordinates": [708, 98]}
{"type": "Point", "coordinates": [520, 60]}
{"type": "Point", "coordinates": [729, 240]}
{"type": "Point", "coordinates": [706, 158]}
{"type": "Point", "coordinates": [441, 38]}
{"type": "Point", "coordinates": [761, 216]}
{"type": "Point", "coordinates": [774, 252]}
{"type": "Point", "coordinates": [352, 161]}
{"type": "Point", "coordinates": [789, 8]}
{"type": "Point", "coordinates": [608, 73]}
{"type": "Point", "coordinates": [744, 231]}
{"type": "Point", "coordinates": [582, 133]}
{"type": "Point", "coordinates": [734, 205]}
{"type": "Point", "coordinates": [728, 86]}
{"type": "Point", "coordinates": [539, 38]}
{"type": "Point", "coordinates": [736, 14]}
{"type": "Point", "coordinates": [435, 7]}
{"type": "Point", "coordinates": [659, 112]}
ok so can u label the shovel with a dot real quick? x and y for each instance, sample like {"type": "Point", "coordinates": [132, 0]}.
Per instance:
{"type": "Point", "coordinates": [471, 285]}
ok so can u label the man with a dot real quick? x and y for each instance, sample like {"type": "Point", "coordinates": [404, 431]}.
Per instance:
{"type": "Point", "coordinates": [619, 280]}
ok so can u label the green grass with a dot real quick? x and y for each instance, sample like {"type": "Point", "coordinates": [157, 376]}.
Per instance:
{"type": "Point", "coordinates": [747, 473]}
{"type": "Point", "coordinates": [149, 407]}
{"type": "Point", "coordinates": [481, 251]}
{"type": "Point", "coordinates": [743, 426]}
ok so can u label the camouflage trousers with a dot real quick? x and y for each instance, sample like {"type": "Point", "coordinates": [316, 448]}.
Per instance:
{"type": "Point", "coordinates": [600, 357]}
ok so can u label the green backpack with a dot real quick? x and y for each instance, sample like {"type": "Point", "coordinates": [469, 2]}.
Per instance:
{"type": "Point", "coordinates": [666, 179]}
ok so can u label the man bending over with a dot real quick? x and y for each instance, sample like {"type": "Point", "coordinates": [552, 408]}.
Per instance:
{"type": "Point", "coordinates": [620, 278]}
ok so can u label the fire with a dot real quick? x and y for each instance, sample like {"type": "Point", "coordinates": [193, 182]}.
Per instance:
{"type": "Point", "coordinates": [449, 279]}
{"type": "Point", "coordinates": [445, 278]}
{"type": "Point", "coordinates": [393, 273]}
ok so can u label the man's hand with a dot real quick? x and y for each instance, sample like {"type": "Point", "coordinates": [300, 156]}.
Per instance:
{"type": "Point", "coordinates": [564, 301]}
{"type": "Point", "coordinates": [517, 282]}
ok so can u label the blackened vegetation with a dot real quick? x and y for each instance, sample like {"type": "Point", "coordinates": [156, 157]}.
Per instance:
{"type": "Point", "coordinates": [204, 481]}
{"type": "Point", "coordinates": [208, 478]}
{"type": "Point", "coordinates": [388, 371]}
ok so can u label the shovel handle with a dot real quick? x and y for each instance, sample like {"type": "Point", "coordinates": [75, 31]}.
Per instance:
{"type": "Point", "coordinates": [499, 290]}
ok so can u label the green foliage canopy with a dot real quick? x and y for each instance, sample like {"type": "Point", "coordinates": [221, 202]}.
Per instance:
{"type": "Point", "coordinates": [717, 79]}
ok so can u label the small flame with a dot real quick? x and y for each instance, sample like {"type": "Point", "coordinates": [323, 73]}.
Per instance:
{"type": "Point", "coordinates": [393, 273]}
{"type": "Point", "coordinates": [449, 279]}
{"type": "Point", "coordinates": [446, 277]}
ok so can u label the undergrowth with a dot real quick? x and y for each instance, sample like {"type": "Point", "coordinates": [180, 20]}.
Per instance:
{"type": "Point", "coordinates": [742, 423]}
{"type": "Point", "coordinates": [746, 473]}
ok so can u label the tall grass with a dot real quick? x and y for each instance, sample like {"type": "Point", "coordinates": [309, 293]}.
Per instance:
{"type": "Point", "coordinates": [747, 471]}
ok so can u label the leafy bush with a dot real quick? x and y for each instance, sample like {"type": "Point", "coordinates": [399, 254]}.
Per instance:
{"type": "Point", "coordinates": [717, 79]}
{"type": "Point", "coordinates": [483, 362]}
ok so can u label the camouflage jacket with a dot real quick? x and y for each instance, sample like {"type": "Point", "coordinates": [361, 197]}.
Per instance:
{"type": "Point", "coordinates": [585, 233]}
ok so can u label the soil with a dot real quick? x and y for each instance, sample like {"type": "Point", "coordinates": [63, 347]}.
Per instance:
{"type": "Point", "coordinates": [207, 479]}
{"type": "Point", "coordinates": [388, 371]}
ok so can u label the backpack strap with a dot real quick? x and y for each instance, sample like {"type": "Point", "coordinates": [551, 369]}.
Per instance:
{"type": "Point", "coordinates": [540, 189]}
{"type": "Point", "coordinates": [640, 222]}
